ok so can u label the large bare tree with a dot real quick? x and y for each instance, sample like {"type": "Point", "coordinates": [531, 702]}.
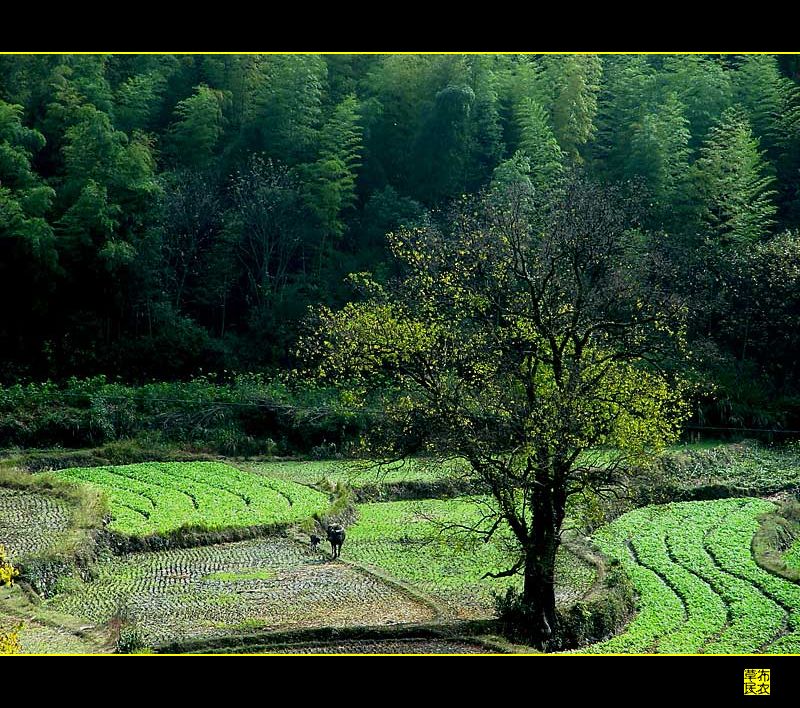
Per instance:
{"type": "Point", "coordinates": [523, 337]}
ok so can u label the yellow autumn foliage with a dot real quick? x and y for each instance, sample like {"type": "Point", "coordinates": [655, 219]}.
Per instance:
{"type": "Point", "coordinates": [7, 571]}
{"type": "Point", "coordinates": [9, 641]}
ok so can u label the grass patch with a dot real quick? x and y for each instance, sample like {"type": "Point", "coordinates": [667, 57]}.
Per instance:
{"type": "Point", "coordinates": [359, 473]}
{"type": "Point", "coordinates": [776, 544]}
{"type": "Point", "coordinates": [731, 470]}
{"type": "Point", "coordinates": [418, 543]}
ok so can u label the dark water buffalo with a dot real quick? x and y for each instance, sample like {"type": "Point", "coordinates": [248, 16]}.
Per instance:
{"type": "Point", "coordinates": [336, 536]}
{"type": "Point", "coordinates": [315, 541]}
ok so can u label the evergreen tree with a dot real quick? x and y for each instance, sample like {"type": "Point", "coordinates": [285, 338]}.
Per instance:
{"type": "Point", "coordinates": [628, 88]}
{"type": "Point", "coordinates": [197, 127]}
{"type": "Point", "coordinates": [89, 224]}
{"type": "Point", "coordinates": [571, 84]}
{"type": "Point", "coordinates": [659, 154]}
{"type": "Point", "coordinates": [331, 185]}
{"type": "Point", "coordinates": [88, 76]}
{"type": "Point", "coordinates": [704, 88]}
{"type": "Point", "coordinates": [137, 101]}
{"type": "Point", "coordinates": [772, 103]}
{"type": "Point", "coordinates": [404, 89]}
{"type": "Point", "coordinates": [87, 143]}
{"type": "Point", "coordinates": [486, 133]}
{"type": "Point", "coordinates": [239, 77]}
{"type": "Point", "coordinates": [285, 113]}
{"type": "Point", "coordinates": [28, 256]}
{"type": "Point", "coordinates": [515, 172]}
{"type": "Point", "coordinates": [764, 94]}
{"type": "Point", "coordinates": [539, 145]}
{"type": "Point", "coordinates": [92, 148]}
{"type": "Point", "coordinates": [518, 78]}
{"type": "Point", "coordinates": [441, 155]}
{"type": "Point", "coordinates": [733, 183]}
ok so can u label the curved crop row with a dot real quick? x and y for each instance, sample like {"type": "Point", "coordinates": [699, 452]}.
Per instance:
{"type": "Point", "coordinates": [162, 497]}
{"type": "Point", "coordinates": [705, 611]}
{"type": "Point", "coordinates": [752, 618]}
{"type": "Point", "coordinates": [731, 549]}
{"type": "Point", "coordinates": [661, 609]}
{"type": "Point", "coordinates": [699, 588]}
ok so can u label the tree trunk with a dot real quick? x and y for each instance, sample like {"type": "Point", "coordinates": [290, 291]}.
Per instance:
{"type": "Point", "coordinates": [540, 560]}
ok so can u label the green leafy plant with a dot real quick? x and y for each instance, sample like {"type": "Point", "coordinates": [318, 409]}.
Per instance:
{"type": "Point", "coordinates": [159, 498]}
{"type": "Point", "coordinates": [700, 590]}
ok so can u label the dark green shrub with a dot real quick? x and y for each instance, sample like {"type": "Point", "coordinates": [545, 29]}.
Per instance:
{"type": "Point", "coordinates": [239, 416]}
{"type": "Point", "coordinates": [517, 618]}
{"type": "Point", "coordinates": [601, 615]}
{"type": "Point", "coordinates": [590, 620]}
{"type": "Point", "coordinates": [44, 573]}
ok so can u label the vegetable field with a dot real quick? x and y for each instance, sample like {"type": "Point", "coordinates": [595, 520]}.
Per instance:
{"type": "Point", "coordinates": [792, 556]}
{"type": "Point", "coordinates": [700, 591]}
{"type": "Point", "coordinates": [265, 583]}
{"type": "Point", "coordinates": [30, 522]}
{"type": "Point", "coordinates": [423, 543]}
{"type": "Point", "coordinates": [359, 474]}
{"type": "Point", "coordinates": [410, 562]}
{"type": "Point", "coordinates": [160, 497]}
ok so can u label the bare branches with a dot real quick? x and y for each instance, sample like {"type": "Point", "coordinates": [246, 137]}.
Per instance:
{"type": "Point", "coordinates": [513, 570]}
{"type": "Point", "coordinates": [519, 336]}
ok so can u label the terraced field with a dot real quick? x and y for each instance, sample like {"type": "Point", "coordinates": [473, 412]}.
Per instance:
{"type": "Point", "coordinates": [30, 522]}
{"type": "Point", "coordinates": [266, 583]}
{"type": "Point", "coordinates": [161, 497]}
{"type": "Point", "coordinates": [309, 472]}
{"type": "Point", "coordinates": [700, 589]}
{"type": "Point", "coordinates": [410, 541]}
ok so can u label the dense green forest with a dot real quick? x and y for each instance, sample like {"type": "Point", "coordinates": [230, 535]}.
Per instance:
{"type": "Point", "coordinates": [165, 216]}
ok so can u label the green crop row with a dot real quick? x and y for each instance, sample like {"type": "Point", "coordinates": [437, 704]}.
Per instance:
{"type": "Point", "coordinates": [731, 549]}
{"type": "Point", "coordinates": [30, 522]}
{"type": "Point", "coordinates": [661, 610]}
{"type": "Point", "coordinates": [752, 619]}
{"type": "Point", "coordinates": [792, 556]}
{"type": "Point", "coordinates": [699, 587]}
{"type": "Point", "coordinates": [705, 611]}
{"type": "Point", "coordinates": [162, 497]}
